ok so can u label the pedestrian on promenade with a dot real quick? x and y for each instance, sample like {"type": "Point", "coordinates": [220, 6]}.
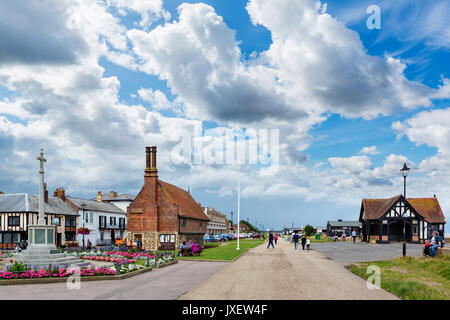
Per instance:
{"type": "Point", "coordinates": [344, 235]}
{"type": "Point", "coordinates": [295, 241]}
{"type": "Point", "coordinates": [89, 245]}
{"type": "Point", "coordinates": [354, 236]}
{"type": "Point", "coordinates": [303, 242]}
{"type": "Point", "coordinates": [270, 241]}
{"type": "Point", "coordinates": [308, 242]}
{"type": "Point", "coordinates": [275, 237]}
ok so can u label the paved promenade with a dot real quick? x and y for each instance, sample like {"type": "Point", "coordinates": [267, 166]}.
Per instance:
{"type": "Point", "coordinates": [283, 273]}
{"type": "Point", "coordinates": [160, 284]}
{"type": "Point", "coordinates": [349, 252]}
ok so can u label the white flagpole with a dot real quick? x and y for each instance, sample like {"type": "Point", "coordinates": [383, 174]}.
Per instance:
{"type": "Point", "coordinates": [239, 205]}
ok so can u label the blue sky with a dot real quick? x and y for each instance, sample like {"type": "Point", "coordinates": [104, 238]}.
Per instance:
{"type": "Point", "coordinates": [349, 114]}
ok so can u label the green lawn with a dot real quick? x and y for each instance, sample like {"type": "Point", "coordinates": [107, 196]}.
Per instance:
{"type": "Point", "coordinates": [411, 278]}
{"type": "Point", "coordinates": [226, 252]}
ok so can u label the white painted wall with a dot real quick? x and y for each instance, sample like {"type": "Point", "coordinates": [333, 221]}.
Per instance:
{"type": "Point", "coordinates": [93, 226]}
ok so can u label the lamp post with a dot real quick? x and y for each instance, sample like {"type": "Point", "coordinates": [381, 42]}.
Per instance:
{"type": "Point", "coordinates": [83, 206]}
{"type": "Point", "coordinates": [404, 171]}
{"type": "Point", "coordinates": [239, 206]}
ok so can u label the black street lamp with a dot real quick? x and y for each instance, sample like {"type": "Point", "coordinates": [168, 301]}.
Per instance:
{"type": "Point", "coordinates": [404, 171]}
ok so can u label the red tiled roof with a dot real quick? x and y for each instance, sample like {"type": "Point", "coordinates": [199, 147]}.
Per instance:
{"type": "Point", "coordinates": [186, 204]}
{"type": "Point", "coordinates": [375, 208]}
{"type": "Point", "coordinates": [428, 208]}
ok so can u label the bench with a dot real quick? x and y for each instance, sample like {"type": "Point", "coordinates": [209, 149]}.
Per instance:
{"type": "Point", "coordinates": [443, 251]}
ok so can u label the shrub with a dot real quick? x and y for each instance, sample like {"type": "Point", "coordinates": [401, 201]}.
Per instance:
{"type": "Point", "coordinates": [308, 230]}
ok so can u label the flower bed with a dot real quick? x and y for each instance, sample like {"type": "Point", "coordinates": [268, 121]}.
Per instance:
{"type": "Point", "coordinates": [61, 273]}
{"type": "Point", "coordinates": [109, 259]}
{"type": "Point", "coordinates": [129, 268]}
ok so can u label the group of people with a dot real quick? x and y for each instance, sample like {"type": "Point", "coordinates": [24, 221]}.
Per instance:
{"type": "Point", "coordinates": [335, 236]}
{"type": "Point", "coordinates": [304, 241]}
{"type": "Point", "coordinates": [436, 239]}
{"type": "Point", "coordinates": [189, 248]}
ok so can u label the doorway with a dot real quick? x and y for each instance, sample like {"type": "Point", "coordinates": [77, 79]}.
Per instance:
{"type": "Point", "coordinates": [58, 239]}
{"type": "Point", "coordinates": [396, 230]}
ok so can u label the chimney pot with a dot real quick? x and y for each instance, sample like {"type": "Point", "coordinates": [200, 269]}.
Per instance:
{"type": "Point", "coordinates": [60, 193]}
{"type": "Point", "coordinates": [99, 196]}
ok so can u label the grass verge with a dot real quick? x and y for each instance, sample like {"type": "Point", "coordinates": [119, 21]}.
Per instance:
{"type": "Point", "coordinates": [411, 278]}
{"type": "Point", "coordinates": [227, 252]}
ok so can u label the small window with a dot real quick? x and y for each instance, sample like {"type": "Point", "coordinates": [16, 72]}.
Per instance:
{"type": "Point", "coordinates": [13, 221]}
{"type": "Point", "coordinates": [7, 238]}
{"type": "Point", "coordinates": [56, 221]}
{"type": "Point", "coordinates": [200, 223]}
{"type": "Point", "coordinates": [92, 217]}
{"type": "Point", "coordinates": [183, 222]}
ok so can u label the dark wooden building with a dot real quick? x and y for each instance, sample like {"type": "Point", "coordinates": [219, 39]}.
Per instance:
{"type": "Point", "coordinates": [163, 215]}
{"type": "Point", "coordinates": [340, 226]}
{"type": "Point", "coordinates": [386, 220]}
{"type": "Point", "coordinates": [17, 211]}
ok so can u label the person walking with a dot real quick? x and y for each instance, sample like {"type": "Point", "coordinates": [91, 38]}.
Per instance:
{"type": "Point", "coordinates": [303, 242]}
{"type": "Point", "coordinates": [89, 245]}
{"type": "Point", "coordinates": [354, 236]}
{"type": "Point", "coordinates": [275, 237]}
{"type": "Point", "coordinates": [270, 241]}
{"type": "Point", "coordinates": [295, 241]}
{"type": "Point", "coordinates": [308, 242]}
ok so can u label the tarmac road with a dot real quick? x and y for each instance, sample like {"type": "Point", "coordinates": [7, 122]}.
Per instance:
{"type": "Point", "coordinates": [284, 274]}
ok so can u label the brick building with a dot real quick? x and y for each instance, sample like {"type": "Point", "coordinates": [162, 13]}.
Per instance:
{"type": "Point", "coordinates": [163, 215]}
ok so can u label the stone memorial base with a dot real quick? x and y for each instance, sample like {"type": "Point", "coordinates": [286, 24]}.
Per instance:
{"type": "Point", "coordinates": [41, 251]}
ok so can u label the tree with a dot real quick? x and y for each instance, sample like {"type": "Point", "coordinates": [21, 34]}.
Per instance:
{"type": "Point", "coordinates": [308, 230]}
{"type": "Point", "coordinates": [250, 226]}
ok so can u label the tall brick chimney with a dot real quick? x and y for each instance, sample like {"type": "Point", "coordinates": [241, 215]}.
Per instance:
{"type": "Point", "coordinates": [150, 163]}
{"type": "Point", "coordinates": [99, 196]}
{"type": "Point", "coordinates": [45, 193]}
{"type": "Point", "coordinates": [60, 193]}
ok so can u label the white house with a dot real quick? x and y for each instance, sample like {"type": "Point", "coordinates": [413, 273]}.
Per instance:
{"type": "Point", "coordinates": [105, 221]}
{"type": "Point", "coordinates": [119, 200]}
{"type": "Point", "coordinates": [218, 222]}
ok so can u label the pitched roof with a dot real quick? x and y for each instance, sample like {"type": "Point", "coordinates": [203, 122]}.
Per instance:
{"type": "Point", "coordinates": [186, 204]}
{"type": "Point", "coordinates": [344, 224]}
{"type": "Point", "coordinates": [428, 208]}
{"type": "Point", "coordinates": [375, 208]}
{"type": "Point", "coordinates": [121, 197]}
{"type": "Point", "coordinates": [24, 202]}
{"type": "Point", "coordinates": [95, 205]}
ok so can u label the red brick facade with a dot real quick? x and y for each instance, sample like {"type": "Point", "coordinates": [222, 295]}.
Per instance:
{"type": "Point", "coordinates": [163, 215]}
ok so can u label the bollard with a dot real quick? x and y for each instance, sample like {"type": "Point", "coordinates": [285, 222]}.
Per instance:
{"type": "Point", "coordinates": [147, 264]}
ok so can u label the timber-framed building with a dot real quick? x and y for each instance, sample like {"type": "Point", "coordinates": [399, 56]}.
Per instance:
{"type": "Point", "coordinates": [396, 218]}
